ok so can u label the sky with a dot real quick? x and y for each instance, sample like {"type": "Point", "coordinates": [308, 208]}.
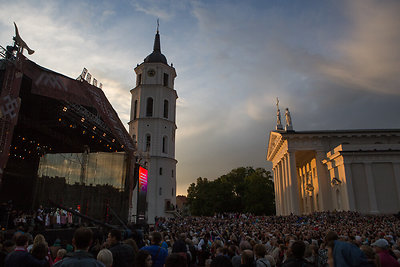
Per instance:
{"type": "Point", "coordinates": [335, 64]}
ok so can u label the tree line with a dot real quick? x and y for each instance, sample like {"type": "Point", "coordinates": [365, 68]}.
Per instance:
{"type": "Point", "coordinates": [244, 190]}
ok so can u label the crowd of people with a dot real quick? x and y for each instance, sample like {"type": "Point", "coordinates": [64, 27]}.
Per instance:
{"type": "Point", "coordinates": [320, 239]}
{"type": "Point", "coordinates": [41, 218]}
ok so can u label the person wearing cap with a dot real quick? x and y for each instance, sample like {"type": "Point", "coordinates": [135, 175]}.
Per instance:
{"type": "Point", "coordinates": [381, 247]}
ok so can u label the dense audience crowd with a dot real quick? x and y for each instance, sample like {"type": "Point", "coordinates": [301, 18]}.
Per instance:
{"type": "Point", "coordinates": [40, 218]}
{"type": "Point", "coordinates": [320, 239]}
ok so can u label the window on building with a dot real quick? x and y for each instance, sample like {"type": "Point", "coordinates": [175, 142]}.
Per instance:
{"type": "Point", "coordinates": [135, 110]}
{"type": "Point", "coordinates": [134, 138]}
{"type": "Point", "coordinates": [139, 79]}
{"type": "Point", "coordinates": [165, 144]}
{"type": "Point", "coordinates": [166, 109]}
{"type": "Point", "coordinates": [160, 171]}
{"type": "Point", "coordinates": [149, 107]}
{"type": "Point", "coordinates": [166, 77]}
{"type": "Point", "coordinates": [148, 142]}
{"type": "Point", "coordinates": [160, 191]}
{"type": "Point", "coordinates": [172, 173]}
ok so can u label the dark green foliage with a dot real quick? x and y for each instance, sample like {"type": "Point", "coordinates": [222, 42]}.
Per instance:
{"type": "Point", "coordinates": [242, 190]}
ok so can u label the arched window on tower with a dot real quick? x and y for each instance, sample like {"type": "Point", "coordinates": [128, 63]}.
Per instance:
{"type": "Point", "coordinates": [148, 143]}
{"type": "Point", "coordinates": [135, 110]}
{"type": "Point", "coordinates": [139, 79]}
{"type": "Point", "coordinates": [165, 144]}
{"type": "Point", "coordinates": [149, 107]}
{"type": "Point", "coordinates": [166, 77]}
{"type": "Point", "coordinates": [166, 109]}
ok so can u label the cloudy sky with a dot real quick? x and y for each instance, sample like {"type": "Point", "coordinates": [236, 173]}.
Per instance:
{"type": "Point", "coordinates": [335, 64]}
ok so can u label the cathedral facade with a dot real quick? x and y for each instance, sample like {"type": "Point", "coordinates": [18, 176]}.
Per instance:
{"type": "Point", "coordinates": [345, 170]}
{"type": "Point", "coordinates": [152, 126]}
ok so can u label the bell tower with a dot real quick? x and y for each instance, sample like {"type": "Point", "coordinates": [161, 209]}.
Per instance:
{"type": "Point", "coordinates": [152, 127]}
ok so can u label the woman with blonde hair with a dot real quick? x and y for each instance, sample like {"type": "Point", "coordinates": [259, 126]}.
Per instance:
{"type": "Point", "coordinates": [105, 256]}
{"type": "Point", "coordinates": [40, 249]}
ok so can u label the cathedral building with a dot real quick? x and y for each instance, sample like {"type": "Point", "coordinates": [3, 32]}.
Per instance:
{"type": "Point", "coordinates": [349, 170]}
{"type": "Point", "coordinates": [152, 126]}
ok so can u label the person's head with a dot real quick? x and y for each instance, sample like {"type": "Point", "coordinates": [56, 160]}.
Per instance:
{"type": "Point", "coordinates": [247, 257]}
{"type": "Point", "coordinates": [21, 240]}
{"type": "Point", "coordinates": [82, 238]}
{"type": "Point", "coordinates": [40, 250]}
{"type": "Point", "coordinates": [244, 245]}
{"type": "Point", "coordinates": [143, 259]}
{"type": "Point", "coordinates": [260, 250]}
{"type": "Point", "coordinates": [297, 249]}
{"type": "Point", "coordinates": [39, 238]}
{"type": "Point", "coordinates": [380, 245]}
{"type": "Point", "coordinates": [61, 253]}
{"type": "Point", "coordinates": [114, 237]}
{"type": "Point", "coordinates": [131, 242]}
{"type": "Point", "coordinates": [105, 256]}
{"type": "Point", "coordinates": [175, 260]}
{"type": "Point", "coordinates": [271, 260]}
{"type": "Point", "coordinates": [156, 238]}
{"type": "Point", "coordinates": [330, 239]}
{"type": "Point", "coordinates": [182, 236]}
{"type": "Point", "coordinates": [221, 261]}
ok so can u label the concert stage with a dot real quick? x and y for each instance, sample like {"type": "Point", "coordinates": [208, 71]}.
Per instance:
{"type": "Point", "coordinates": [61, 141]}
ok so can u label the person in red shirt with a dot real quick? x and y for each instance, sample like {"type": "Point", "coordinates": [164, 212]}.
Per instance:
{"type": "Point", "coordinates": [381, 247]}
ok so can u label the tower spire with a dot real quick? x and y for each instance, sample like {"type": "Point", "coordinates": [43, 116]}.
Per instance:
{"type": "Point", "coordinates": [156, 55]}
{"type": "Point", "coordinates": [157, 45]}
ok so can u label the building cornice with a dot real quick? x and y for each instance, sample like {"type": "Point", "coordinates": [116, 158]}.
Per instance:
{"type": "Point", "coordinates": [153, 119]}
{"type": "Point", "coordinates": [163, 157]}
{"type": "Point", "coordinates": [342, 133]}
{"type": "Point", "coordinates": [154, 85]}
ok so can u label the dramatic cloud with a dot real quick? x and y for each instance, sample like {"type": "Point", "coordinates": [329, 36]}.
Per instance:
{"type": "Point", "coordinates": [335, 64]}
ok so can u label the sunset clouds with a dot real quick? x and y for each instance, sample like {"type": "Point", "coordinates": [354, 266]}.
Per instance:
{"type": "Point", "coordinates": [335, 64]}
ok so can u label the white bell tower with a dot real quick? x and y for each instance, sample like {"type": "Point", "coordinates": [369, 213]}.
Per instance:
{"type": "Point", "coordinates": [152, 126]}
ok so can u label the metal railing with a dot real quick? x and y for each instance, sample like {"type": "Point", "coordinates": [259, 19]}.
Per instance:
{"type": "Point", "coordinates": [7, 55]}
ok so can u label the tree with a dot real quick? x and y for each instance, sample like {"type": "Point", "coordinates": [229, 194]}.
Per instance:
{"type": "Point", "coordinates": [259, 196]}
{"type": "Point", "coordinates": [243, 189]}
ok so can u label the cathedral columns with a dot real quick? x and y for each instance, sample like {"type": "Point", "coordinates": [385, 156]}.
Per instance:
{"type": "Point", "coordinates": [373, 207]}
{"type": "Point", "coordinates": [276, 186]}
{"type": "Point", "coordinates": [284, 187]}
{"type": "Point", "coordinates": [281, 190]}
{"type": "Point", "coordinates": [294, 187]}
{"type": "Point", "coordinates": [323, 182]}
{"type": "Point", "coordinates": [396, 172]}
{"type": "Point", "coordinates": [345, 172]}
{"type": "Point", "coordinates": [288, 189]}
{"type": "Point", "coordinates": [303, 190]}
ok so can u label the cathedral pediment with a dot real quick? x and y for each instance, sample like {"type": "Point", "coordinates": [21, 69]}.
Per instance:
{"type": "Point", "coordinates": [275, 140]}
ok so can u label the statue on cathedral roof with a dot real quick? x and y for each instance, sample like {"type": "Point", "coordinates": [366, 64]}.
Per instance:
{"type": "Point", "coordinates": [278, 116]}
{"type": "Point", "coordinates": [289, 126]}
